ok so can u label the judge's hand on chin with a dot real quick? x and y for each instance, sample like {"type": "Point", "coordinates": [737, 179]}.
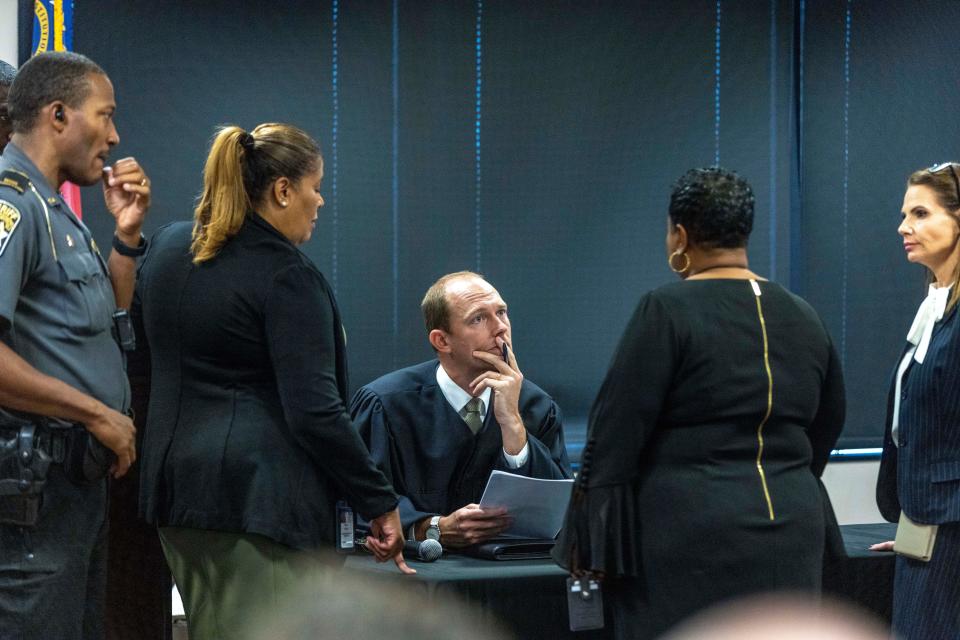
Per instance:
{"type": "Point", "coordinates": [385, 541]}
{"type": "Point", "coordinates": [505, 380]}
{"type": "Point", "coordinates": [472, 524]}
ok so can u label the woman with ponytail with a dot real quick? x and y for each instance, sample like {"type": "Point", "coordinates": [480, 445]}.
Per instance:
{"type": "Point", "coordinates": [248, 446]}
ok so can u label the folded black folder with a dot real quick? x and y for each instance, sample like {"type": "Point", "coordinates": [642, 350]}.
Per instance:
{"type": "Point", "coordinates": [511, 549]}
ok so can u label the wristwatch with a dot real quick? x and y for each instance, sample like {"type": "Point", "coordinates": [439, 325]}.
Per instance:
{"type": "Point", "coordinates": [127, 250]}
{"type": "Point", "coordinates": [433, 530]}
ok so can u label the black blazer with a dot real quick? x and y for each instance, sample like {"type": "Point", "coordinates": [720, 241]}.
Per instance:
{"type": "Point", "coordinates": [922, 475]}
{"type": "Point", "coordinates": [247, 428]}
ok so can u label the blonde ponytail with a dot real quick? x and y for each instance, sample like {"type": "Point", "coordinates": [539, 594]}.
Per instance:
{"type": "Point", "coordinates": [241, 169]}
{"type": "Point", "coordinates": [224, 203]}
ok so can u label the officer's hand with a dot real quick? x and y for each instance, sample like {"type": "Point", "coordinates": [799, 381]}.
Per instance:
{"type": "Point", "coordinates": [126, 191]}
{"type": "Point", "coordinates": [116, 432]}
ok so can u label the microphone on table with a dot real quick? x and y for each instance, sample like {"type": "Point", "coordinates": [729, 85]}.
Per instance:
{"type": "Point", "coordinates": [427, 550]}
{"type": "Point", "coordinates": [424, 550]}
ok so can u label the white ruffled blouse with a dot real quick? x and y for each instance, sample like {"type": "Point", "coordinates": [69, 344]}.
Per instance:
{"type": "Point", "coordinates": [930, 312]}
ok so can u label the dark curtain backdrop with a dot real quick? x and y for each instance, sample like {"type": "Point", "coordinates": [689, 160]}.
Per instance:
{"type": "Point", "coordinates": [879, 99]}
{"type": "Point", "coordinates": [537, 142]}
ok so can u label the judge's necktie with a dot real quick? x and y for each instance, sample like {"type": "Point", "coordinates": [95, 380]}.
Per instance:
{"type": "Point", "coordinates": [471, 415]}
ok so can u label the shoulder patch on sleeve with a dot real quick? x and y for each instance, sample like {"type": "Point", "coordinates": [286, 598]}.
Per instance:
{"type": "Point", "coordinates": [9, 220]}
{"type": "Point", "coordinates": [15, 180]}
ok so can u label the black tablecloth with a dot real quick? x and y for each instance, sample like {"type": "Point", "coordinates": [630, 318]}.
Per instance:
{"type": "Point", "coordinates": [864, 577]}
{"type": "Point", "coordinates": [527, 596]}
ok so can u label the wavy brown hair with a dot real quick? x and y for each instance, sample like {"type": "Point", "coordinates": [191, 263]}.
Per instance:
{"type": "Point", "coordinates": [944, 184]}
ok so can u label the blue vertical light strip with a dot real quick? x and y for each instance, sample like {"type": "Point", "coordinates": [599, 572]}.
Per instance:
{"type": "Point", "coordinates": [395, 178]}
{"type": "Point", "coordinates": [800, 79]}
{"type": "Point", "coordinates": [846, 182]}
{"type": "Point", "coordinates": [773, 140]}
{"type": "Point", "coordinates": [476, 129]}
{"type": "Point", "coordinates": [334, 158]}
{"type": "Point", "coordinates": [797, 175]}
{"type": "Point", "coordinates": [716, 90]}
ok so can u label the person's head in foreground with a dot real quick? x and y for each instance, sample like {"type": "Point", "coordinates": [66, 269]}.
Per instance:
{"type": "Point", "coordinates": [780, 617]}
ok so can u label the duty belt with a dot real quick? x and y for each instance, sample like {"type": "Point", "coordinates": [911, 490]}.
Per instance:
{"type": "Point", "coordinates": [50, 440]}
{"type": "Point", "coordinates": [23, 474]}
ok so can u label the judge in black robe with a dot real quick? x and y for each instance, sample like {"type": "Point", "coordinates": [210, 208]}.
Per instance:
{"type": "Point", "coordinates": [424, 446]}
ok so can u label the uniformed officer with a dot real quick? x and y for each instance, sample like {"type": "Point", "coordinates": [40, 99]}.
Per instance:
{"type": "Point", "coordinates": [7, 73]}
{"type": "Point", "coordinates": [59, 353]}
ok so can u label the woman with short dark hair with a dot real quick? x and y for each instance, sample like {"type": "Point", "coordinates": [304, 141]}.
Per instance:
{"type": "Point", "coordinates": [248, 444]}
{"type": "Point", "coordinates": [700, 476]}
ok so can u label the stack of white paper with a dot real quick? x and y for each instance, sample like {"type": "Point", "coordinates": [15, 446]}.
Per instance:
{"type": "Point", "coordinates": [537, 506]}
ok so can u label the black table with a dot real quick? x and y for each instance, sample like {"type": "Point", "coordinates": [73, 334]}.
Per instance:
{"type": "Point", "coordinates": [864, 578]}
{"type": "Point", "coordinates": [527, 596]}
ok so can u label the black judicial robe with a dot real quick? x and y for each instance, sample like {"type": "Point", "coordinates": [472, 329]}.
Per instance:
{"type": "Point", "coordinates": [429, 454]}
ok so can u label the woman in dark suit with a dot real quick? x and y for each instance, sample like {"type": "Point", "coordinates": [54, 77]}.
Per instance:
{"type": "Point", "coordinates": [700, 477]}
{"type": "Point", "coordinates": [248, 444]}
{"type": "Point", "coordinates": [920, 470]}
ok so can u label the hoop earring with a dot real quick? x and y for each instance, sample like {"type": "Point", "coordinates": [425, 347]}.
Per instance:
{"type": "Point", "coordinates": [686, 263]}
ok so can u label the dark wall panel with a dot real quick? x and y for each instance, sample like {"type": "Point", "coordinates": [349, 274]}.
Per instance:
{"type": "Point", "coordinates": [363, 203]}
{"type": "Point", "coordinates": [879, 103]}
{"type": "Point", "coordinates": [436, 59]}
{"type": "Point", "coordinates": [587, 112]}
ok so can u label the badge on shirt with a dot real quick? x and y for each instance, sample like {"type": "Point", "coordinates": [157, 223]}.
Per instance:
{"type": "Point", "coordinates": [9, 220]}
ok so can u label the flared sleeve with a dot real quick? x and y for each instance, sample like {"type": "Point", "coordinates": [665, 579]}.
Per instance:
{"type": "Point", "coordinates": [601, 530]}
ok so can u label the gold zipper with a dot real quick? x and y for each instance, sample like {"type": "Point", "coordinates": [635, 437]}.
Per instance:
{"type": "Point", "coordinates": [766, 364]}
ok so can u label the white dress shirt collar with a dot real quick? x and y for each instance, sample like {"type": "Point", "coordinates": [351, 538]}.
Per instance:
{"type": "Point", "coordinates": [458, 399]}
{"type": "Point", "coordinates": [456, 396]}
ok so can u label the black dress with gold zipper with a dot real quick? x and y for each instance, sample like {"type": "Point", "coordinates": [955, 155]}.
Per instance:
{"type": "Point", "coordinates": [700, 478]}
